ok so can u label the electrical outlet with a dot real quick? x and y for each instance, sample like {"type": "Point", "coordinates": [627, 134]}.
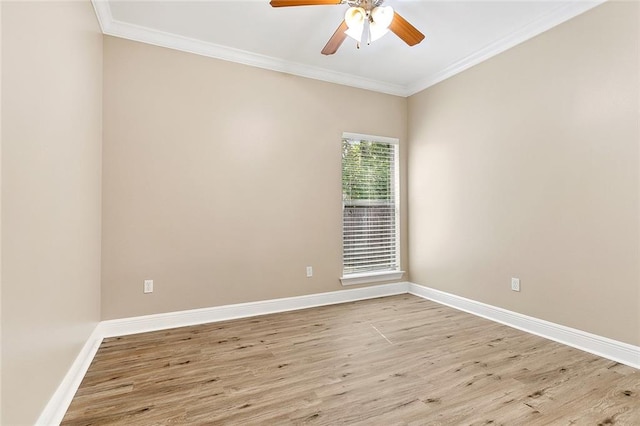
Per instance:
{"type": "Point", "coordinates": [309, 271]}
{"type": "Point", "coordinates": [148, 286]}
{"type": "Point", "coordinates": [515, 284]}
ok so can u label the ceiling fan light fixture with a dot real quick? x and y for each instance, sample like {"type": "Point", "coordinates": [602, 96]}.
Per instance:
{"type": "Point", "coordinates": [355, 18]}
{"type": "Point", "coordinates": [377, 32]}
{"type": "Point", "coordinates": [382, 15]}
{"type": "Point", "coordinates": [381, 18]}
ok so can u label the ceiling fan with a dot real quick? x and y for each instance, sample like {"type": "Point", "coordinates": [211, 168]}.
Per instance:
{"type": "Point", "coordinates": [365, 20]}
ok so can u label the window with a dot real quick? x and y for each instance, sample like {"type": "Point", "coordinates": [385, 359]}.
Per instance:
{"type": "Point", "coordinates": [370, 220]}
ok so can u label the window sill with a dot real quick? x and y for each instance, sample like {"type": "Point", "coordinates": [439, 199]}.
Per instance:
{"type": "Point", "coordinates": [371, 277]}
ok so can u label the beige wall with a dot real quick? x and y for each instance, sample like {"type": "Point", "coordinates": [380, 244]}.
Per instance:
{"type": "Point", "coordinates": [0, 212]}
{"type": "Point", "coordinates": [51, 148]}
{"type": "Point", "coordinates": [527, 166]}
{"type": "Point", "coordinates": [221, 182]}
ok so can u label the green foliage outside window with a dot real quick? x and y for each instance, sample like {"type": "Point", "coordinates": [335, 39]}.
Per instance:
{"type": "Point", "coordinates": [367, 170]}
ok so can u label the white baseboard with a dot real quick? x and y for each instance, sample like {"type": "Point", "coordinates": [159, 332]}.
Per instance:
{"type": "Point", "coordinates": [607, 348]}
{"type": "Point", "coordinates": [57, 406]}
{"type": "Point", "coordinates": [60, 401]}
{"type": "Point", "coordinates": [121, 327]}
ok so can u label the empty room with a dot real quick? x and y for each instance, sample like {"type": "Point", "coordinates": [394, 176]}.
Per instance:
{"type": "Point", "coordinates": [366, 212]}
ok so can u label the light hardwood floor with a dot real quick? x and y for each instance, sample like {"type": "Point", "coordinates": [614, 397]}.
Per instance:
{"type": "Point", "coordinates": [389, 361]}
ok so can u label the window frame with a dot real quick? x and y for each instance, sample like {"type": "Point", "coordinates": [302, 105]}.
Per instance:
{"type": "Point", "coordinates": [378, 275]}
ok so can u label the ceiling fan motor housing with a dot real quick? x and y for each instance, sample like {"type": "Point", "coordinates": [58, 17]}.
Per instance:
{"type": "Point", "coordinates": [367, 5]}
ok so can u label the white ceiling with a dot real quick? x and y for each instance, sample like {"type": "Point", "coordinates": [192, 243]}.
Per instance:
{"type": "Point", "coordinates": [459, 34]}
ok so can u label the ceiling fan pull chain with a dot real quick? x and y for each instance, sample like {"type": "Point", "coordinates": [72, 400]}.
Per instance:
{"type": "Point", "coordinates": [367, 28]}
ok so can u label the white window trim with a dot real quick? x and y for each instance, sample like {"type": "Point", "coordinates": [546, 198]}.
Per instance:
{"type": "Point", "coordinates": [370, 277]}
{"type": "Point", "coordinates": [381, 139]}
{"type": "Point", "coordinates": [378, 276]}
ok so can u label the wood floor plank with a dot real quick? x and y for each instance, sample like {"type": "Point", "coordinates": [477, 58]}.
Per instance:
{"type": "Point", "coordinates": [398, 360]}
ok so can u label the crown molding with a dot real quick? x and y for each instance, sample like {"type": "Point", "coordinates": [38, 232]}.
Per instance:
{"type": "Point", "coordinates": [549, 20]}
{"type": "Point", "coordinates": [103, 13]}
{"type": "Point", "coordinates": [115, 28]}
{"type": "Point", "coordinates": [133, 32]}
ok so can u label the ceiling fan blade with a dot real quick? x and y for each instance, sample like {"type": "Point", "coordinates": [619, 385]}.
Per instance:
{"type": "Point", "coordinates": [403, 29]}
{"type": "Point", "coordinates": [336, 40]}
{"type": "Point", "coordinates": [287, 3]}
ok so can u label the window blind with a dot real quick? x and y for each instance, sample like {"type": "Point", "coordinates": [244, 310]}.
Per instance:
{"type": "Point", "coordinates": [370, 229]}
